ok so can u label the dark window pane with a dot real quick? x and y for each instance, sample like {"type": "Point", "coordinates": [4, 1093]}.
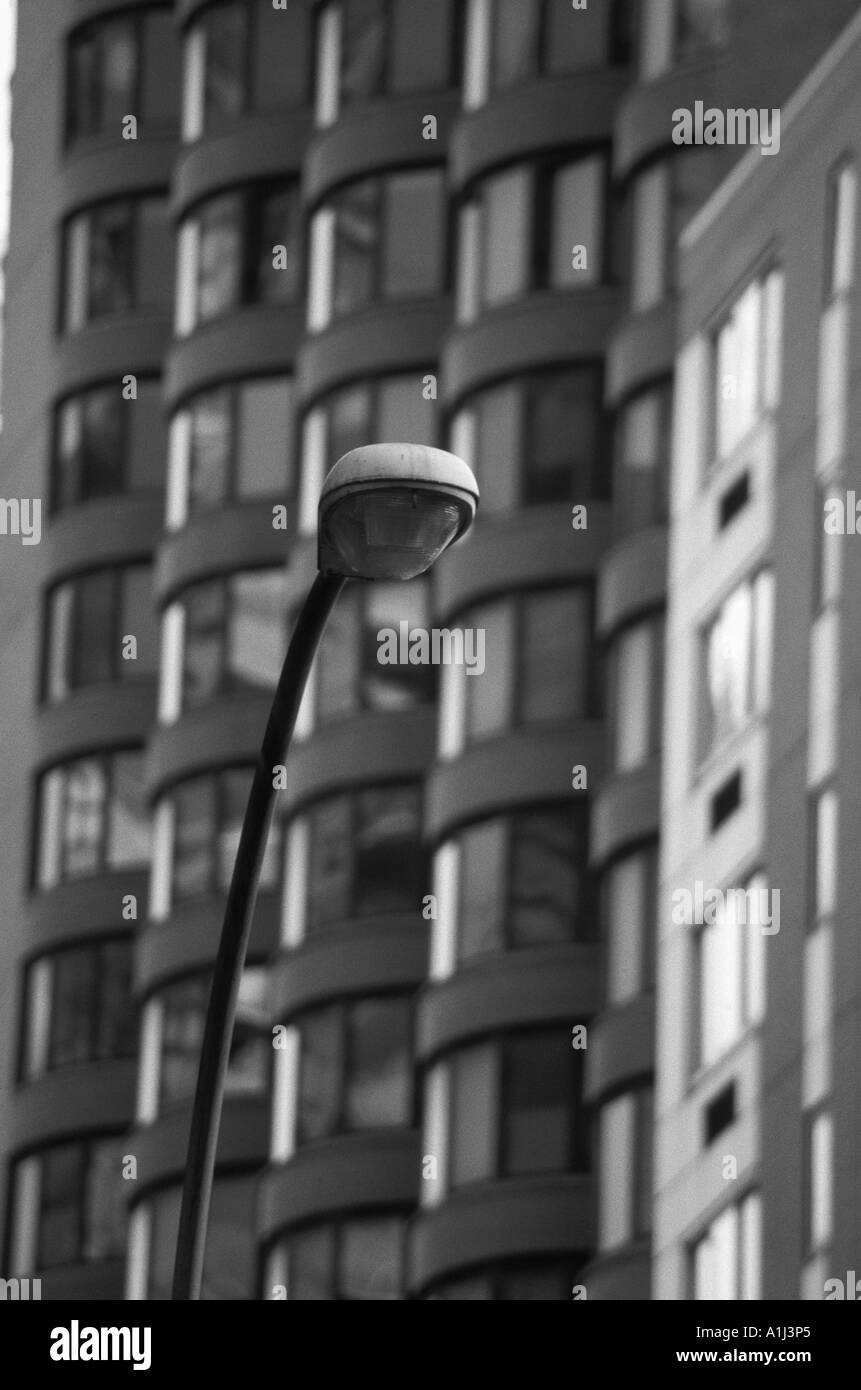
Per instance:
{"type": "Point", "coordinates": [109, 286]}
{"type": "Point", "coordinates": [421, 46]}
{"type": "Point", "coordinates": [95, 654]}
{"type": "Point", "coordinates": [104, 1201]}
{"type": "Point", "coordinates": [194, 834]}
{"type": "Point", "coordinates": [73, 1007]}
{"type": "Point", "coordinates": [370, 1257]}
{"type": "Point", "coordinates": [117, 1018]}
{"type": "Point", "coordinates": [164, 1208]}
{"type": "Point", "coordinates": [251, 1044]}
{"type": "Point", "coordinates": [389, 858]}
{"type": "Point", "coordinates": [474, 1115]}
{"type": "Point", "coordinates": [265, 461]}
{"type": "Point", "coordinates": [499, 419]}
{"type": "Point", "coordinates": [311, 1265]}
{"type": "Point", "coordinates": [278, 225]}
{"type": "Point", "coordinates": [483, 876]}
{"type": "Point", "coordinates": [555, 654]}
{"type": "Point", "coordinates": [575, 39]}
{"type": "Point", "coordinates": [154, 255]}
{"type": "Point", "coordinates": [282, 56]}
{"type": "Point", "coordinates": [203, 652]}
{"type": "Point", "coordinates": [356, 245]}
{"type": "Point", "coordinates": [403, 685]}
{"type": "Point", "coordinates": [219, 256]}
{"type": "Point", "coordinates": [138, 619]}
{"type": "Point", "coordinates": [542, 1097]}
{"type": "Point", "coordinates": [102, 443]}
{"type": "Point", "coordinates": [128, 832]}
{"type": "Point", "coordinates": [516, 28]}
{"type": "Point", "coordinates": [413, 261]}
{"type": "Point", "coordinates": [363, 45]}
{"type": "Point", "coordinates": [61, 1201]}
{"type": "Point", "coordinates": [118, 73]}
{"type": "Point", "coordinates": [549, 901]}
{"type": "Point", "coordinates": [84, 817]}
{"type": "Point", "coordinates": [349, 422]}
{"type": "Point", "coordinates": [229, 1264]}
{"type": "Point", "coordinates": [379, 1064]}
{"type": "Point", "coordinates": [403, 413]}
{"type": "Point", "coordinates": [337, 672]}
{"type": "Point", "coordinates": [161, 68]}
{"type": "Point", "coordinates": [83, 99]}
{"type": "Point", "coordinates": [225, 27]}
{"type": "Point", "coordinates": [184, 1009]}
{"type": "Point", "coordinates": [147, 461]}
{"type": "Point", "coordinates": [211, 443]}
{"type": "Point", "coordinates": [321, 1064]}
{"type": "Point", "coordinates": [330, 863]}
{"type": "Point", "coordinates": [564, 436]}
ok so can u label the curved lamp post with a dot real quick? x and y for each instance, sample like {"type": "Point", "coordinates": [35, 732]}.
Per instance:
{"type": "Point", "coordinates": [387, 511]}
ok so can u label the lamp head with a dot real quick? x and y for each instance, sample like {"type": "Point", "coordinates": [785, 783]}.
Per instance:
{"type": "Point", "coordinates": [387, 511]}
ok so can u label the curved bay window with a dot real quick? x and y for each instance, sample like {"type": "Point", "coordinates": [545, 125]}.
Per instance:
{"type": "Point", "coordinates": [122, 65]}
{"type": "Point", "coordinates": [365, 856]}
{"type": "Point", "coordinates": [68, 1205]}
{"type": "Point", "coordinates": [374, 48]}
{"type": "Point", "coordinates": [238, 248]}
{"type": "Point", "coordinates": [182, 1007]}
{"type": "Point", "coordinates": [105, 445]}
{"type": "Point", "coordinates": [547, 38]}
{"type": "Point", "coordinates": [350, 677]}
{"type": "Point", "coordinates": [233, 443]}
{"type": "Point", "coordinates": [118, 258]}
{"type": "Point", "coordinates": [234, 632]}
{"type": "Point", "coordinates": [355, 1068]}
{"type": "Point", "coordinates": [79, 1007]}
{"type": "Point", "coordinates": [539, 438]}
{"type": "Point", "coordinates": [90, 621]}
{"type": "Point", "coordinates": [229, 1260]}
{"type": "Point", "coordinates": [356, 1259]}
{"type": "Point", "coordinates": [91, 818]}
{"type": "Point", "coordinates": [207, 814]}
{"type": "Point", "coordinates": [244, 57]}
{"type": "Point", "coordinates": [524, 881]}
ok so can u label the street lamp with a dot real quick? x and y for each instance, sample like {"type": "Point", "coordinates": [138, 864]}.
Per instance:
{"type": "Point", "coordinates": [386, 511]}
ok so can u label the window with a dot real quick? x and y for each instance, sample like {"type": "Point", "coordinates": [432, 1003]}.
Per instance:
{"type": "Point", "coordinates": [664, 197]}
{"type": "Point", "coordinates": [117, 259]}
{"type": "Point", "coordinates": [519, 1281]}
{"type": "Point", "coordinates": [389, 240]}
{"type": "Point", "coordinates": [727, 1259]}
{"type": "Point", "coordinates": [234, 633]}
{"type": "Point", "coordinates": [349, 674]}
{"type": "Point", "coordinates": [80, 1203]}
{"type": "Point", "coordinates": [365, 858]}
{"type": "Point", "coordinates": [80, 1007]}
{"type": "Point", "coordinates": [397, 47]}
{"type": "Point", "coordinates": [89, 622]}
{"type": "Point", "coordinates": [539, 663]}
{"type": "Point", "coordinates": [234, 443]}
{"type": "Point", "coordinates": [388, 408]}
{"type": "Point", "coordinates": [541, 438]}
{"type": "Point", "coordinates": [236, 257]}
{"type": "Point", "coordinates": [747, 362]}
{"type": "Point", "coordinates": [527, 220]}
{"type": "Point", "coordinates": [356, 1260]}
{"type": "Point", "coordinates": [548, 37]}
{"type": "Point", "coordinates": [525, 882]}
{"type": "Point", "coordinates": [642, 459]}
{"type": "Point", "coordinates": [183, 1016]}
{"type": "Point", "coordinates": [629, 909]}
{"type": "Point", "coordinates": [737, 661]}
{"type": "Point", "coordinates": [122, 65]}
{"type": "Point", "coordinates": [840, 231]}
{"type": "Point", "coordinates": [105, 445]}
{"type": "Point", "coordinates": [516, 1108]}
{"type": "Point", "coordinates": [208, 814]}
{"type": "Point", "coordinates": [635, 682]}
{"type": "Point", "coordinates": [625, 1184]}
{"type": "Point", "coordinates": [355, 1068]}
{"type": "Point", "coordinates": [229, 1263]}
{"type": "Point", "coordinates": [679, 31]}
{"type": "Point", "coordinates": [91, 818]}
{"type": "Point", "coordinates": [819, 1180]}
{"type": "Point", "coordinates": [731, 967]}
{"type": "Point", "coordinates": [242, 58]}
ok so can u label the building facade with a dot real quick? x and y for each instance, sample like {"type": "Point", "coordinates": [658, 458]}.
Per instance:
{"type": "Point", "coordinates": [245, 238]}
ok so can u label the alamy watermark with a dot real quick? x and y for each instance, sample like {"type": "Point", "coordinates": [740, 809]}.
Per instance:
{"type": "Point", "coordinates": [735, 126]}
{"type": "Point", "coordinates": [406, 646]}
{"type": "Point", "coordinates": [21, 516]}
{"type": "Point", "coordinates": [707, 907]}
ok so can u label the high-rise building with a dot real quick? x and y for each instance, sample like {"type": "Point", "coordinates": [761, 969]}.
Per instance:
{"type": "Point", "coordinates": [246, 237]}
